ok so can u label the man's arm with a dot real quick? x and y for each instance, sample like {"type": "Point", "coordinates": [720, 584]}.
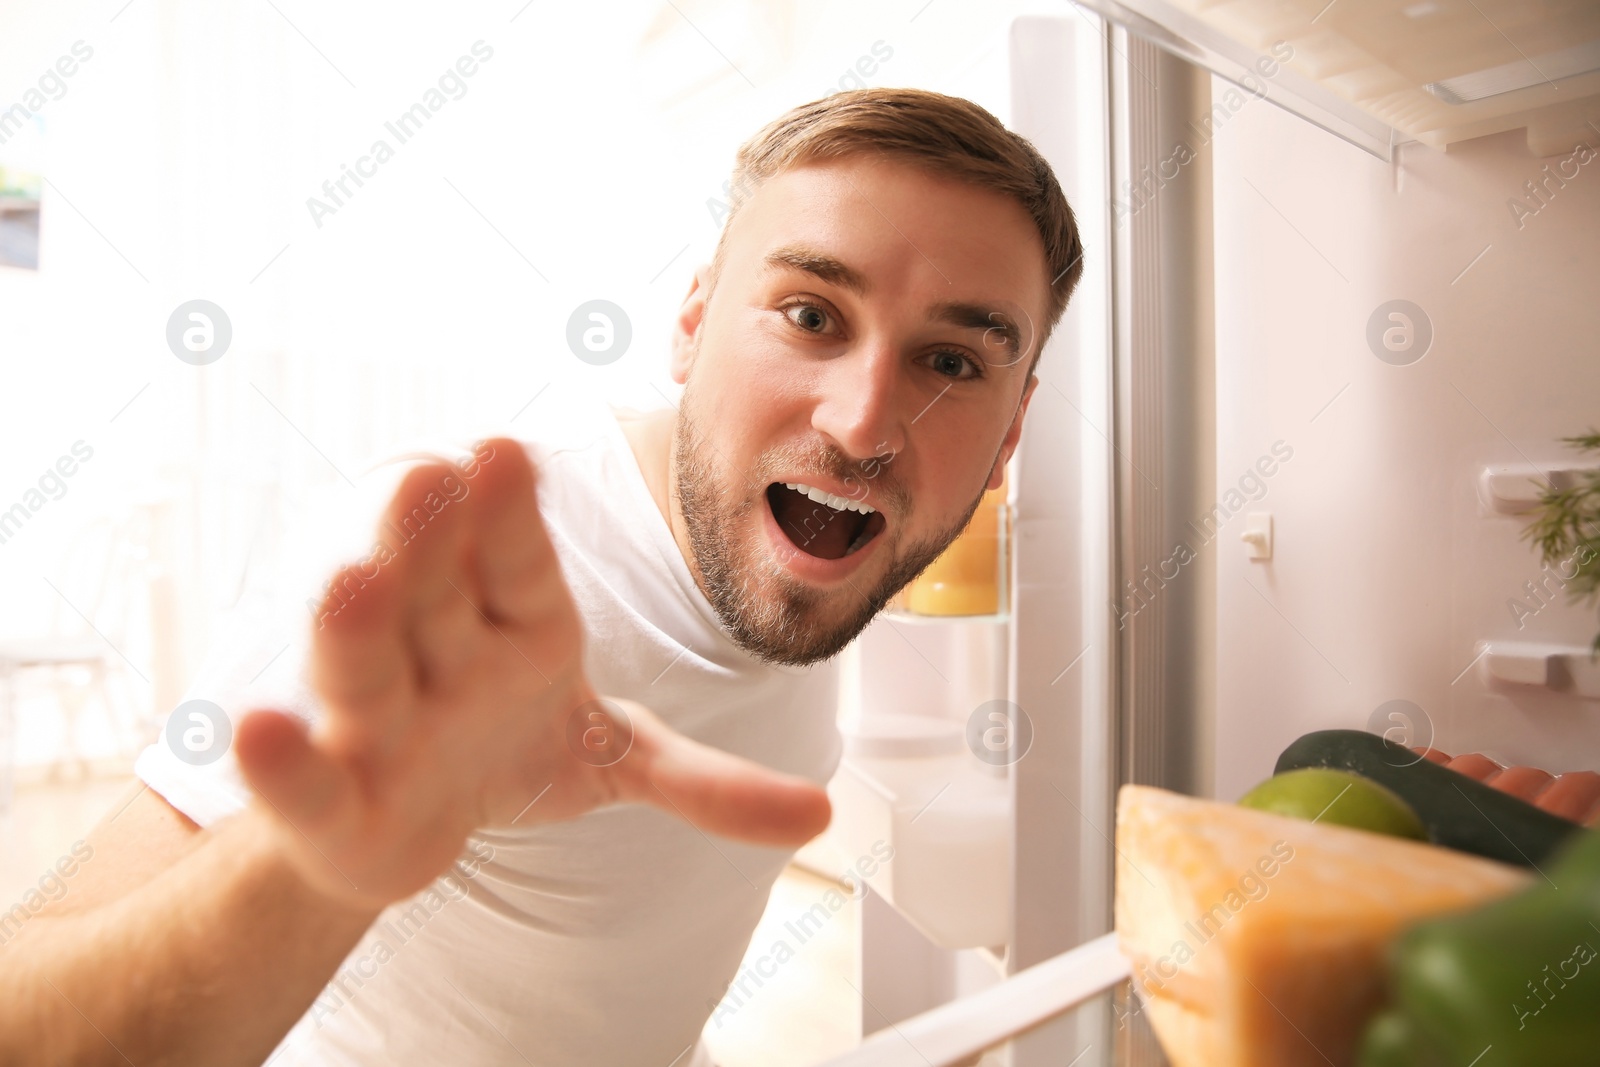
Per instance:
{"type": "Point", "coordinates": [449, 670]}
{"type": "Point", "coordinates": [174, 945]}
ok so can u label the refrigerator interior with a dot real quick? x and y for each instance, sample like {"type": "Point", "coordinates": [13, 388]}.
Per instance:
{"type": "Point", "coordinates": [1276, 482]}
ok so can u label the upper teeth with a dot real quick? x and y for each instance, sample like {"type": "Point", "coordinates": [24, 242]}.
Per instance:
{"type": "Point", "coordinates": [837, 503]}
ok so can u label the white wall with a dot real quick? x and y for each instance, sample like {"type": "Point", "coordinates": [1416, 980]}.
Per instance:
{"type": "Point", "coordinates": [1385, 575]}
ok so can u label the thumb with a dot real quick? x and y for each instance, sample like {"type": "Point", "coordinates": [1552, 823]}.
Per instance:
{"type": "Point", "coordinates": [717, 791]}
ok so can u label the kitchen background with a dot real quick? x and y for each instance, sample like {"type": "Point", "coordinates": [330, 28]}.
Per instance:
{"type": "Point", "coordinates": [1364, 352]}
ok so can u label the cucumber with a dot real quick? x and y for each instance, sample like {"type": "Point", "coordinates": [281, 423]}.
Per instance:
{"type": "Point", "coordinates": [1458, 812]}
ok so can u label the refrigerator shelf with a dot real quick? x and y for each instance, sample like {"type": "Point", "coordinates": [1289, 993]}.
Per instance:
{"type": "Point", "coordinates": [967, 1027]}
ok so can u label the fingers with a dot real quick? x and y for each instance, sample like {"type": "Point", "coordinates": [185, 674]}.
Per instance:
{"type": "Point", "coordinates": [428, 522]}
{"type": "Point", "coordinates": [522, 592]}
{"type": "Point", "coordinates": [302, 784]}
{"type": "Point", "coordinates": [718, 792]}
{"type": "Point", "coordinates": [516, 563]}
{"type": "Point", "coordinates": [358, 665]}
{"type": "Point", "coordinates": [395, 619]}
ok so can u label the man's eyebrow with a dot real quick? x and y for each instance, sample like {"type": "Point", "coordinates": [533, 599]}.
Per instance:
{"type": "Point", "coordinates": [978, 317]}
{"type": "Point", "coordinates": [965, 315]}
{"type": "Point", "coordinates": [821, 265]}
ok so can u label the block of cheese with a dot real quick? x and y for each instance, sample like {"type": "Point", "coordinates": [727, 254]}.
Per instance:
{"type": "Point", "coordinates": [1257, 940]}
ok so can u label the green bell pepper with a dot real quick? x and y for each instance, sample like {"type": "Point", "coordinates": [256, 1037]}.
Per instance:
{"type": "Point", "coordinates": [1514, 982]}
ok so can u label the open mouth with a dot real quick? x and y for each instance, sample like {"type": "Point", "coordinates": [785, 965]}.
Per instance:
{"type": "Point", "coordinates": [818, 528]}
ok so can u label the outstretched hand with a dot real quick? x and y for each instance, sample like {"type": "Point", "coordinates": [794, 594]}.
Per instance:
{"type": "Point", "coordinates": [450, 671]}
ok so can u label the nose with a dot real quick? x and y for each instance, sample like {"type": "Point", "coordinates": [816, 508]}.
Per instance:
{"type": "Point", "coordinates": [858, 406]}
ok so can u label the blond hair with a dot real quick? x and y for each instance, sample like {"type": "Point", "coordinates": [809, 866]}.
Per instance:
{"type": "Point", "coordinates": [946, 135]}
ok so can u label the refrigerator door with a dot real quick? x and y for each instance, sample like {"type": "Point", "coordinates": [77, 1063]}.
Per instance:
{"type": "Point", "coordinates": [1030, 827]}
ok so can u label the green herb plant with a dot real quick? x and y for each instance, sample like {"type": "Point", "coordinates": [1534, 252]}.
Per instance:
{"type": "Point", "coordinates": [1566, 527]}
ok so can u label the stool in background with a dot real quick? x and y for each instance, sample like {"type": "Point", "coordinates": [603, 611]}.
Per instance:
{"type": "Point", "coordinates": [55, 655]}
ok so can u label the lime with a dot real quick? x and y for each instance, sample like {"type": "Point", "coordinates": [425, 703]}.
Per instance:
{"type": "Point", "coordinates": [1323, 794]}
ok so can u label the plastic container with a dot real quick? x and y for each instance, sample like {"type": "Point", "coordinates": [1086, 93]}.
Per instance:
{"type": "Point", "coordinates": [909, 781]}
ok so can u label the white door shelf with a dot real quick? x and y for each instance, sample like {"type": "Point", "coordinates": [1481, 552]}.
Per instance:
{"type": "Point", "coordinates": [1561, 668]}
{"type": "Point", "coordinates": [956, 1032]}
{"type": "Point", "coordinates": [1515, 489]}
{"type": "Point", "coordinates": [949, 822]}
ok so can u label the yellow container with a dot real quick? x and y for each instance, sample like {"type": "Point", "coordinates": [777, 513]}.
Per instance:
{"type": "Point", "coordinates": [969, 577]}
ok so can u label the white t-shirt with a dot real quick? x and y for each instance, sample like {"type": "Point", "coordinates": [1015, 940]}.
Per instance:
{"type": "Point", "coordinates": [608, 939]}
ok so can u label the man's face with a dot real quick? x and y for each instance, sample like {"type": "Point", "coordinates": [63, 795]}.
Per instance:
{"type": "Point", "coordinates": [869, 337]}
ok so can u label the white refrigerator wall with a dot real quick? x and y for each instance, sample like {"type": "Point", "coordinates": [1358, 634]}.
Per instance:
{"type": "Point", "coordinates": [1385, 576]}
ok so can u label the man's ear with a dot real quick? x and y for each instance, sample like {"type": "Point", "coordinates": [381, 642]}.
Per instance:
{"type": "Point", "coordinates": [1008, 444]}
{"type": "Point", "coordinates": [686, 329]}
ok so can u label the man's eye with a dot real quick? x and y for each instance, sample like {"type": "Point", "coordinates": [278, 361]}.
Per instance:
{"type": "Point", "coordinates": [808, 317]}
{"type": "Point", "coordinates": [950, 363]}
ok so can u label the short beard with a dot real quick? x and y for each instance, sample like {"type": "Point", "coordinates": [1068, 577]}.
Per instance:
{"type": "Point", "coordinates": [785, 626]}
